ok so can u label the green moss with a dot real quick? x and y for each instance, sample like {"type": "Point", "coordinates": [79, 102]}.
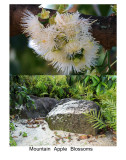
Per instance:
{"type": "Point", "coordinates": [71, 123]}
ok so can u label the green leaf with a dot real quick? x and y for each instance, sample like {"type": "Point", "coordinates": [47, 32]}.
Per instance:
{"type": "Point", "coordinates": [62, 8]}
{"type": "Point", "coordinates": [86, 79]}
{"type": "Point", "coordinates": [114, 8]}
{"type": "Point", "coordinates": [12, 142]}
{"type": "Point", "coordinates": [95, 82]}
{"type": "Point", "coordinates": [24, 88]}
{"type": "Point", "coordinates": [24, 134]}
{"type": "Point", "coordinates": [98, 89]}
{"type": "Point", "coordinates": [20, 100]}
{"type": "Point", "coordinates": [114, 78]}
{"type": "Point", "coordinates": [12, 127]}
{"type": "Point", "coordinates": [105, 85]}
{"type": "Point", "coordinates": [97, 78]}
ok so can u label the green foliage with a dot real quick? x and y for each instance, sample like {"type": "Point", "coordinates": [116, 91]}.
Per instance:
{"type": "Point", "coordinates": [80, 87]}
{"type": "Point", "coordinates": [99, 84]}
{"type": "Point", "coordinates": [108, 107]}
{"type": "Point", "coordinates": [90, 9]}
{"type": "Point", "coordinates": [95, 119]}
{"type": "Point", "coordinates": [12, 142]}
{"type": "Point", "coordinates": [101, 89]}
{"type": "Point", "coordinates": [114, 8]}
{"type": "Point", "coordinates": [77, 91]}
{"type": "Point", "coordinates": [104, 65]}
{"type": "Point", "coordinates": [24, 134]}
{"type": "Point", "coordinates": [106, 118]}
{"type": "Point", "coordinates": [51, 86]}
{"type": "Point", "coordinates": [104, 92]}
{"type": "Point", "coordinates": [19, 94]}
{"type": "Point", "coordinates": [62, 8]}
{"type": "Point", "coordinates": [12, 127]}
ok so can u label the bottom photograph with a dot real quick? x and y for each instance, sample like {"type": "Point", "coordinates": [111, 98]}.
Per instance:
{"type": "Point", "coordinates": [62, 110]}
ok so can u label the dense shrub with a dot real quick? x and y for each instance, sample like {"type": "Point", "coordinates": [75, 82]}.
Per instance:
{"type": "Point", "coordinates": [18, 94]}
{"type": "Point", "coordinates": [101, 89]}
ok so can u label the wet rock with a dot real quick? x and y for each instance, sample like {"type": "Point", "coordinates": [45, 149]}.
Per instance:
{"type": "Point", "coordinates": [68, 116]}
{"type": "Point", "coordinates": [42, 107]}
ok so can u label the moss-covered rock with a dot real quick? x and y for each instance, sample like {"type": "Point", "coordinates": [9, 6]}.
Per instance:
{"type": "Point", "coordinates": [69, 117]}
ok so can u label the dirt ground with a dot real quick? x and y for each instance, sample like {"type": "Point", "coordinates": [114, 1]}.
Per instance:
{"type": "Point", "coordinates": [37, 133]}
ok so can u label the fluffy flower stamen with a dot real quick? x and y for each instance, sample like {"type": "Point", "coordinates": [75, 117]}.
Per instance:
{"type": "Point", "coordinates": [67, 43]}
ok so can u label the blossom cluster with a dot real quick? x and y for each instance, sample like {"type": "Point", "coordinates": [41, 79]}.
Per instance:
{"type": "Point", "coordinates": [67, 43]}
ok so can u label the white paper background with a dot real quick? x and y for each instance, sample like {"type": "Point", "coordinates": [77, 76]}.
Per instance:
{"type": "Point", "coordinates": [101, 153]}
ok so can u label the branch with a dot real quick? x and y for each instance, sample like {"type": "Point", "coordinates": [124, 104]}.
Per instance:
{"type": "Point", "coordinates": [104, 29]}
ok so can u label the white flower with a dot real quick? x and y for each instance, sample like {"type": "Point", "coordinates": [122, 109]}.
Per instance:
{"type": "Point", "coordinates": [40, 6]}
{"type": "Point", "coordinates": [67, 44]}
{"type": "Point", "coordinates": [31, 25]}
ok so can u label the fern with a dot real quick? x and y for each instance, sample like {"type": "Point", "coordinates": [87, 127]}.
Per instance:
{"type": "Point", "coordinates": [101, 89]}
{"type": "Point", "coordinates": [95, 119]}
{"type": "Point", "coordinates": [107, 115]}
{"type": "Point", "coordinates": [108, 106]}
{"type": "Point", "coordinates": [110, 113]}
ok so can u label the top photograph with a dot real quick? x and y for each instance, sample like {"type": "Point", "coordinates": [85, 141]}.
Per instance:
{"type": "Point", "coordinates": [66, 39]}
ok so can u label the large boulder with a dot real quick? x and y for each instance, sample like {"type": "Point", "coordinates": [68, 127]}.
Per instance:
{"type": "Point", "coordinates": [68, 115]}
{"type": "Point", "coordinates": [42, 107]}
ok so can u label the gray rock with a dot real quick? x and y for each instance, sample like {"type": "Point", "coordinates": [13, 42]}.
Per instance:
{"type": "Point", "coordinates": [43, 106]}
{"type": "Point", "coordinates": [62, 101]}
{"type": "Point", "coordinates": [69, 116]}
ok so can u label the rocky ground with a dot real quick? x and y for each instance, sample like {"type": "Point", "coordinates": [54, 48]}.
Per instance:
{"type": "Point", "coordinates": [35, 132]}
